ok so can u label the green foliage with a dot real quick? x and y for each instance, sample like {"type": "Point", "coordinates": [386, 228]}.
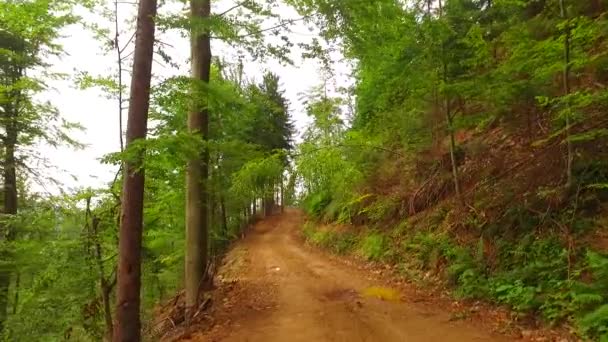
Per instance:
{"type": "Point", "coordinates": [373, 246]}
{"type": "Point", "coordinates": [339, 243]}
{"type": "Point", "coordinates": [63, 254]}
{"type": "Point", "coordinates": [591, 298]}
{"type": "Point", "coordinates": [491, 70]}
{"type": "Point", "coordinates": [596, 323]}
{"type": "Point", "coordinates": [380, 209]}
{"type": "Point", "coordinates": [315, 204]}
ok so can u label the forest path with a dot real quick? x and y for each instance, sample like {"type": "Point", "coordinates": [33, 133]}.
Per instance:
{"type": "Point", "coordinates": [288, 292]}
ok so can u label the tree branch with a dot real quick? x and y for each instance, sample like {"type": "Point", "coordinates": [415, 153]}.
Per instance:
{"type": "Point", "coordinates": [283, 24]}
{"type": "Point", "coordinates": [242, 3]}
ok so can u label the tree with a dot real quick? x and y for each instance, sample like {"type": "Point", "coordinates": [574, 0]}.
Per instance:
{"type": "Point", "coordinates": [27, 33]}
{"type": "Point", "coordinates": [13, 73]}
{"type": "Point", "coordinates": [566, 88]}
{"type": "Point", "coordinates": [270, 116]}
{"type": "Point", "coordinates": [197, 200]}
{"type": "Point", "coordinates": [128, 323]}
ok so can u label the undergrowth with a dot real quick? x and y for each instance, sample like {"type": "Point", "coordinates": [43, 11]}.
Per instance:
{"type": "Point", "coordinates": [531, 275]}
{"type": "Point", "coordinates": [531, 256]}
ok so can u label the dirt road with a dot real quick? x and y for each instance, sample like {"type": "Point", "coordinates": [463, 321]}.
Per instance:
{"type": "Point", "coordinates": [288, 292]}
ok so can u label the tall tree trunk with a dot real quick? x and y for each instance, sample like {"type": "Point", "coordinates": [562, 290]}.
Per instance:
{"type": "Point", "coordinates": [10, 202]}
{"type": "Point", "coordinates": [128, 323]}
{"type": "Point", "coordinates": [566, 79]}
{"type": "Point", "coordinates": [450, 124]}
{"type": "Point", "coordinates": [450, 119]}
{"type": "Point", "coordinates": [197, 203]}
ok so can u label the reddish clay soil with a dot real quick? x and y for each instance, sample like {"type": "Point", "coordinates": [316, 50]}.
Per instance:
{"type": "Point", "coordinates": [274, 288]}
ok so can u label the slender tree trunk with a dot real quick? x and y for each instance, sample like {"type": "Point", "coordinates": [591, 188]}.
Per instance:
{"type": "Point", "coordinates": [224, 215]}
{"type": "Point", "coordinates": [119, 60]}
{"type": "Point", "coordinates": [197, 206]}
{"type": "Point", "coordinates": [128, 323]}
{"type": "Point", "coordinates": [450, 123]}
{"type": "Point", "coordinates": [282, 197]}
{"type": "Point", "coordinates": [450, 120]}
{"type": "Point", "coordinates": [104, 287]}
{"type": "Point", "coordinates": [16, 296]}
{"type": "Point", "coordinates": [10, 204]}
{"type": "Point", "coordinates": [566, 79]}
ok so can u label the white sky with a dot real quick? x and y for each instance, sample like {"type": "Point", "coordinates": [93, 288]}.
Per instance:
{"type": "Point", "coordinates": [99, 115]}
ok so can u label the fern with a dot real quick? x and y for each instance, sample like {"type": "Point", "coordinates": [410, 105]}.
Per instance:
{"type": "Point", "coordinates": [596, 322]}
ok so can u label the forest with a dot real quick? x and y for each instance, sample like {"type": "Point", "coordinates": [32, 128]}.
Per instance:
{"type": "Point", "coordinates": [464, 150]}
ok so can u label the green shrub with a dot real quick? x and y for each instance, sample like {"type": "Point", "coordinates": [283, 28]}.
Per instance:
{"type": "Point", "coordinates": [466, 272]}
{"type": "Point", "coordinates": [427, 247]}
{"type": "Point", "coordinates": [339, 243]}
{"type": "Point", "coordinates": [381, 208]}
{"type": "Point", "coordinates": [323, 238]}
{"type": "Point", "coordinates": [344, 243]}
{"type": "Point", "coordinates": [533, 275]}
{"type": "Point", "coordinates": [591, 298]}
{"type": "Point", "coordinates": [596, 323]}
{"type": "Point", "coordinates": [316, 203]}
{"type": "Point", "coordinates": [373, 246]}
{"type": "Point", "coordinates": [516, 294]}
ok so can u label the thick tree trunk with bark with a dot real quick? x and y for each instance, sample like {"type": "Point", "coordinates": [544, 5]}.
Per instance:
{"type": "Point", "coordinates": [128, 324]}
{"type": "Point", "coordinates": [197, 202]}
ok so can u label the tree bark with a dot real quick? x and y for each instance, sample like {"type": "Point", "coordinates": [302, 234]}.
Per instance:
{"type": "Point", "coordinates": [224, 215]}
{"type": "Point", "coordinates": [566, 84]}
{"type": "Point", "coordinates": [197, 203]}
{"type": "Point", "coordinates": [128, 324]}
{"type": "Point", "coordinates": [10, 197]}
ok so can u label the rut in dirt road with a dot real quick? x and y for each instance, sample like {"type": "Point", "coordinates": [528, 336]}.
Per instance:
{"type": "Point", "coordinates": [314, 299]}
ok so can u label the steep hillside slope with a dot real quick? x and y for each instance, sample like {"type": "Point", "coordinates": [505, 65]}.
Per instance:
{"type": "Point", "coordinates": [476, 148]}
